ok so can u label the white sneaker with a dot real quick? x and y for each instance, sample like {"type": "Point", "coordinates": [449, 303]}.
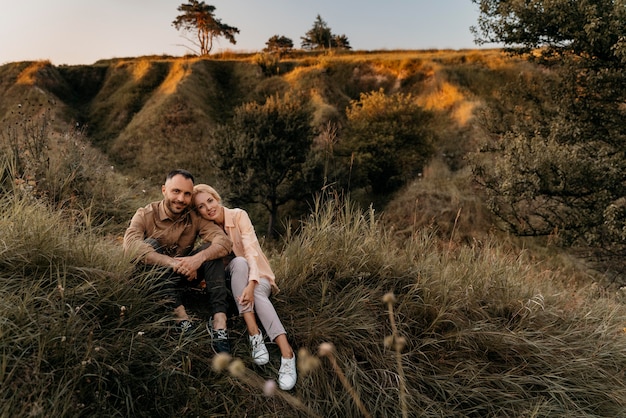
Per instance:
{"type": "Point", "coordinates": [287, 374]}
{"type": "Point", "coordinates": [260, 355]}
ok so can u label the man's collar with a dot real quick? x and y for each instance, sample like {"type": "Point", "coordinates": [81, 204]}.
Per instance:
{"type": "Point", "coordinates": [164, 213]}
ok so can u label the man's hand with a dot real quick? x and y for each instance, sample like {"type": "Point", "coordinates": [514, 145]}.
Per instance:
{"type": "Point", "coordinates": [188, 266]}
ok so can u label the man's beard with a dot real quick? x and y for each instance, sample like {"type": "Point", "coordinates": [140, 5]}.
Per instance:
{"type": "Point", "coordinates": [171, 207]}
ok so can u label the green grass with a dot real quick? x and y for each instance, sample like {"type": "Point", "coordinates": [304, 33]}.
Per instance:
{"type": "Point", "coordinates": [478, 330]}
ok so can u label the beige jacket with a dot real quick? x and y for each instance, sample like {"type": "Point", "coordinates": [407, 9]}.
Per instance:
{"type": "Point", "coordinates": [240, 230]}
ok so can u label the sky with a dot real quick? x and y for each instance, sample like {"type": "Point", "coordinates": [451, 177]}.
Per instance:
{"type": "Point", "coordinates": [76, 32]}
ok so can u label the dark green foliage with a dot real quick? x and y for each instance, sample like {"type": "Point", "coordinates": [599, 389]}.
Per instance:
{"type": "Point", "coordinates": [260, 155]}
{"type": "Point", "coordinates": [560, 158]}
{"type": "Point", "coordinates": [386, 141]}
{"type": "Point", "coordinates": [320, 36]}
{"type": "Point", "coordinates": [592, 29]}
{"type": "Point", "coordinates": [279, 44]}
{"type": "Point", "coordinates": [341, 42]}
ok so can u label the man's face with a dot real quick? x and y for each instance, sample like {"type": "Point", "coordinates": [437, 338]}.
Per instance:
{"type": "Point", "coordinates": [177, 194]}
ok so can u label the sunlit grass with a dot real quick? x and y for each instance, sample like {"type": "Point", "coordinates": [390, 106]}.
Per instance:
{"type": "Point", "coordinates": [140, 69]}
{"type": "Point", "coordinates": [442, 97]}
{"type": "Point", "coordinates": [178, 72]}
{"type": "Point", "coordinates": [28, 76]}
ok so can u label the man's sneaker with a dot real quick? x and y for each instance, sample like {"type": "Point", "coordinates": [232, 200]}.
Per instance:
{"type": "Point", "coordinates": [287, 373]}
{"type": "Point", "coordinates": [220, 340]}
{"type": "Point", "coordinates": [184, 327]}
{"type": "Point", "coordinates": [260, 355]}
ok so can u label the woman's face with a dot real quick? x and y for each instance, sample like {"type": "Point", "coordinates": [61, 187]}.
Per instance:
{"type": "Point", "coordinates": [207, 206]}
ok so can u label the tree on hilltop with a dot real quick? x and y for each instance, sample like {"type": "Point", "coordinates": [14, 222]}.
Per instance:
{"type": "Point", "coordinates": [279, 44]}
{"type": "Point", "coordinates": [320, 36]}
{"type": "Point", "coordinates": [198, 18]}
{"type": "Point", "coordinates": [341, 42]}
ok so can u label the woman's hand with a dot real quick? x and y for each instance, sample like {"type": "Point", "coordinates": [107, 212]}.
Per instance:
{"type": "Point", "coordinates": [246, 300]}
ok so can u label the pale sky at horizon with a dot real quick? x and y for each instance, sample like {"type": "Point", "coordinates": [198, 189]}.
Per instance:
{"type": "Point", "coordinates": [77, 32]}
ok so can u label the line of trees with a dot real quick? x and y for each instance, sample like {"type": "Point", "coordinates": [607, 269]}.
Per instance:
{"type": "Point", "coordinates": [200, 27]}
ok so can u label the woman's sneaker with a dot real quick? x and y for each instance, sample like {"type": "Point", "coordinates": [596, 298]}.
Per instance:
{"type": "Point", "coordinates": [260, 355]}
{"type": "Point", "coordinates": [287, 373]}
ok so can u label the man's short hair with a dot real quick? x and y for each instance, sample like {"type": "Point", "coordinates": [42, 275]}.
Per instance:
{"type": "Point", "coordinates": [186, 174]}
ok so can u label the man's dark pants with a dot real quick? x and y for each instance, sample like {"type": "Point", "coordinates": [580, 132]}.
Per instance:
{"type": "Point", "coordinates": [173, 284]}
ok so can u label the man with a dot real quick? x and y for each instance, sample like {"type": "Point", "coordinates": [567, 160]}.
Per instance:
{"type": "Point", "coordinates": [163, 234]}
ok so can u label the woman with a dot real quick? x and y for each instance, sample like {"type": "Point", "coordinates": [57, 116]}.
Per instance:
{"type": "Point", "coordinates": [252, 281]}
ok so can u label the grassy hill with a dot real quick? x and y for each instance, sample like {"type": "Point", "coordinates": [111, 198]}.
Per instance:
{"type": "Point", "coordinates": [150, 112]}
{"type": "Point", "coordinates": [423, 308]}
{"type": "Point", "coordinates": [147, 115]}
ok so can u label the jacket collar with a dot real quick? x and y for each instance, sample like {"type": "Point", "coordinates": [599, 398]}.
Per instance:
{"type": "Point", "coordinates": [229, 218]}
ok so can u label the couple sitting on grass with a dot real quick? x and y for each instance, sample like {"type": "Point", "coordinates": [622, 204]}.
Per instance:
{"type": "Point", "coordinates": [163, 234]}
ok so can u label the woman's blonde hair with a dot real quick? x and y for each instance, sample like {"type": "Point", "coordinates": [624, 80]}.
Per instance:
{"type": "Point", "coordinates": [205, 188]}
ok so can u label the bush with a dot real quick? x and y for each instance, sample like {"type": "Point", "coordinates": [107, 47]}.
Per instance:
{"type": "Point", "coordinates": [388, 139]}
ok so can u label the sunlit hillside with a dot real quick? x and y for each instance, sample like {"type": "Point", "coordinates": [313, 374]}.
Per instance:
{"type": "Point", "coordinates": [153, 111]}
{"type": "Point", "coordinates": [411, 303]}
{"type": "Point", "coordinates": [147, 115]}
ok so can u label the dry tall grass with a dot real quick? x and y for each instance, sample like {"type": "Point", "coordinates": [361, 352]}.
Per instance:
{"type": "Point", "coordinates": [484, 331]}
{"type": "Point", "coordinates": [489, 331]}
{"type": "Point", "coordinates": [64, 169]}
